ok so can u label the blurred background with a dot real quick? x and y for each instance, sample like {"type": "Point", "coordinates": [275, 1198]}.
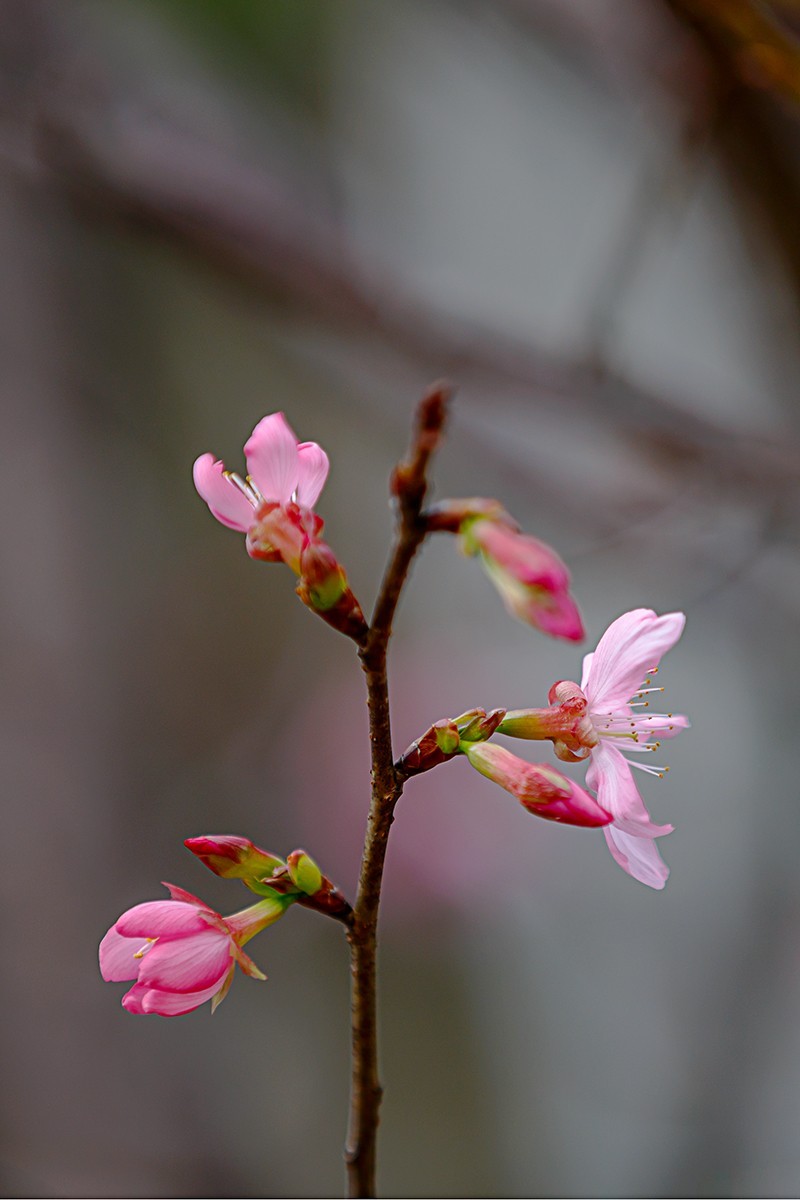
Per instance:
{"type": "Point", "coordinates": [584, 212]}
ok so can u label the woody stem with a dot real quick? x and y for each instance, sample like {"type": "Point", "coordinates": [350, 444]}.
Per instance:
{"type": "Point", "coordinates": [409, 485]}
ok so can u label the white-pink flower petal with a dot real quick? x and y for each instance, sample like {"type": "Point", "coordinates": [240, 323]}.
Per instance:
{"type": "Point", "coordinates": [272, 459]}
{"type": "Point", "coordinates": [116, 956]}
{"type": "Point", "coordinates": [227, 503]}
{"type": "Point", "coordinates": [632, 646]}
{"type": "Point", "coordinates": [313, 471]}
{"type": "Point", "coordinates": [638, 856]}
{"type": "Point", "coordinates": [610, 775]}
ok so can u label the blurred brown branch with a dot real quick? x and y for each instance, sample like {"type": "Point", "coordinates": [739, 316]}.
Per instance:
{"type": "Point", "coordinates": [760, 48]}
{"type": "Point", "coordinates": [121, 165]}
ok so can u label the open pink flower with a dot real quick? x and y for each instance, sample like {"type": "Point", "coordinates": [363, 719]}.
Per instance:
{"type": "Point", "coordinates": [274, 504]}
{"type": "Point", "coordinates": [180, 952]}
{"type": "Point", "coordinates": [608, 721]}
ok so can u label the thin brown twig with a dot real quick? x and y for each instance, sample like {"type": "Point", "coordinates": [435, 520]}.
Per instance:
{"type": "Point", "coordinates": [253, 226]}
{"type": "Point", "coordinates": [409, 485]}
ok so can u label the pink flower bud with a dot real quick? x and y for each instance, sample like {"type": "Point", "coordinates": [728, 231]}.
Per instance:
{"type": "Point", "coordinates": [529, 575]}
{"type": "Point", "coordinates": [235, 858]}
{"type": "Point", "coordinates": [540, 789]}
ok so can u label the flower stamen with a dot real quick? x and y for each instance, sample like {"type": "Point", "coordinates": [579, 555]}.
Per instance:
{"type": "Point", "coordinates": [149, 943]}
{"type": "Point", "coordinates": [254, 488]}
{"type": "Point", "coordinates": [247, 489]}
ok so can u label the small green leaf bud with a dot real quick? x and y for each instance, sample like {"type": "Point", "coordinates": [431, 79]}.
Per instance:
{"type": "Point", "coordinates": [304, 872]}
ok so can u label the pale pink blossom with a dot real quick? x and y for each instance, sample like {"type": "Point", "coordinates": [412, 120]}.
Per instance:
{"type": "Point", "coordinates": [540, 789]}
{"type": "Point", "coordinates": [529, 575]}
{"type": "Point", "coordinates": [181, 952]}
{"type": "Point", "coordinates": [274, 503]}
{"type": "Point", "coordinates": [608, 721]}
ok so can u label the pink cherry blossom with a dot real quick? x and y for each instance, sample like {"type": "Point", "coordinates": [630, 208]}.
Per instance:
{"type": "Point", "coordinates": [274, 504]}
{"type": "Point", "coordinates": [539, 789]}
{"type": "Point", "coordinates": [608, 721]}
{"type": "Point", "coordinates": [617, 681]}
{"type": "Point", "coordinates": [181, 952]}
{"type": "Point", "coordinates": [529, 575]}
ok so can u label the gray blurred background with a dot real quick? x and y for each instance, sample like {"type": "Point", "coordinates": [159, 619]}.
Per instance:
{"type": "Point", "coordinates": [585, 212]}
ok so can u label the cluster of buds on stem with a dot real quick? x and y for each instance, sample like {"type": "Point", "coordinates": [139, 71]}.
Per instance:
{"type": "Point", "coordinates": [298, 877]}
{"type": "Point", "coordinates": [445, 739]}
{"type": "Point", "coordinates": [180, 952]}
{"type": "Point", "coordinates": [539, 788]}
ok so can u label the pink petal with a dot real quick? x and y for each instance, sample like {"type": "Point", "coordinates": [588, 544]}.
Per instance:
{"type": "Point", "coordinates": [579, 809]}
{"type": "Point", "coordinates": [638, 856]}
{"type": "Point", "coordinates": [224, 499]}
{"type": "Point", "coordinates": [314, 465]}
{"type": "Point", "coordinates": [116, 956]}
{"type": "Point", "coordinates": [143, 1000]}
{"type": "Point", "coordinates": [531, 562]}
{"type": "Point", "coordinates": [610, 776]}
{"type": "Point", "coordinates": [187, 964]}
{"type": "Point", "coordinates": [557, 615]}
{"type": "Point", "coordinates": [132, 1000]}
{"type": "Point", "coordinates": [161, 918]}
{"type": "Point", "coordinates": [631, 647]}
{"type": "Point", "coordinates": [272, 460]}
{"type": "Point", "coordinates": [179, 893]}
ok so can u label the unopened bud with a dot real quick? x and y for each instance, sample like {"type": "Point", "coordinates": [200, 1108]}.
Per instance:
{"type": "Point", "coordinates": [316, 889]}
{"type": "Point", "coordinates": [529, 575]}
{"type": "Point", "coordinates": [234, 857]}
{"type": "Point", "coordinates": [539, 788]}
{"type": "Point", "coordinates": [478, 725]}
{"type": "Point", "coordinates": [437, 744]}
{"type": "Point", "coordinates": [304, 872]}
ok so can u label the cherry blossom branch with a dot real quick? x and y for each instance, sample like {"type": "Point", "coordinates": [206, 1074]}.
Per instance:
{"type": "Point", "coordinates": [409, 486]}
